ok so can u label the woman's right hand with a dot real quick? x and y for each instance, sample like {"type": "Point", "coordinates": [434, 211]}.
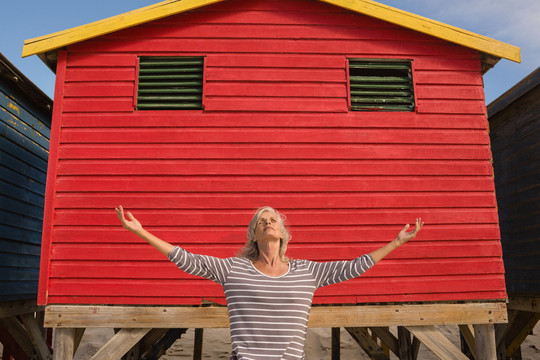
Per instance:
{"type": "Point", "coordinates": [132, 224]}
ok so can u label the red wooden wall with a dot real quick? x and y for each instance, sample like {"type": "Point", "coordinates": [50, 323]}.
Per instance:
{"type": "Point", "coordinates": [276, 131]}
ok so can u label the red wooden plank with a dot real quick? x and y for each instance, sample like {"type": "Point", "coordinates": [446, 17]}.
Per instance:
{"type": "Point", "coordinates": [360, 48]}
{"type": "Point", "coordinates": [93, 269]}
{"type": "Point", "coordinates": [450, 92]}
{"type": "Point", "coordinates": [447, 64]}
{"type": "Point", "coordinates": [100, 74]}
{"type": "Point", "coordinates": [105, 89]}
{"type": "Point", "coordinates": [451, 107]}
{"type": "Point", "coordinates": [349, 120]}
{"type": "Point", "coordinates": [274, 167]}
{"type": "Point", "coordinates": [448, 77]}
{"type": "Point", "coordinates": [273, 151]}
{"type": "Point", "coordinates": [281, 135]}
{"type": "Point", "coordinates": [51, 179]}
{"type": "Point", "coordinates": [276, 104]}
{"type": "Point", "coordinates": [276, 61]}
{"type": "Point", "coordinates": [263, 31]}
{"type": "Point", "coordinates": [273, 75]}
{"type": "Point", "coordinates": [324, 90]}
{"type": "Point", "coordinates": [296, 217]}
{"type": "Point", "coordinates": [152, 184]}
{"type": "Point", "coordinates": [93, 105]}
{"type": "Point", "coordinates": [280, 201]}
{"type": "Point", "coordinates": [99, 60]}
{"type": "Point", "coordinates": [205, 288]}
{"type": "Point", "coordinates": [301, 234]}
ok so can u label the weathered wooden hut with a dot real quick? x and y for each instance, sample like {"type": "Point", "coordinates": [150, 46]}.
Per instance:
{"type": "Point", "coordinates": [25, 122]}
{"type": "Point", "coordinates": [514, 122]}
{"type": "Point", "coordinates": [351, 117]}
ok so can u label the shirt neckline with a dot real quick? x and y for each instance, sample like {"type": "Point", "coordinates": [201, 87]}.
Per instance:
{"type": "Point", "coordinates": [269, 276]}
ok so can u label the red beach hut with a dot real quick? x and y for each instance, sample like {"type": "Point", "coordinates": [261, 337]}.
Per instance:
{"type": "Point", "coordinates": [351, 117]}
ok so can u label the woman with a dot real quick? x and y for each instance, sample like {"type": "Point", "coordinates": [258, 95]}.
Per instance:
{"type": "Point", "coordinates": [268, 296]}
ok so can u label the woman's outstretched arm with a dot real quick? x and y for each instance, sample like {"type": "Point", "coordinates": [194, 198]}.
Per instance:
{"type": "Point", "coordinates": [401, 239]}
{"type": "Point", "coordinates": [135, 227]}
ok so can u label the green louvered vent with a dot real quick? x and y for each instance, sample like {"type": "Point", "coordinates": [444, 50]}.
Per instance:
{"type": "Point", "coordinates": [167, 83]}
{"type": "Point", "coordinates": [381, 85]}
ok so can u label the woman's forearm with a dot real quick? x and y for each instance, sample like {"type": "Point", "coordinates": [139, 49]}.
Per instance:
{"type": "Point", "coordinates": [162, 246]}
{"type": "Point", "coordinates": [380, 253]}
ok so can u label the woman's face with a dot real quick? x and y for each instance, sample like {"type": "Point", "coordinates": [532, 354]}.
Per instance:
{"type": "Point", "coordinates": [268, 227]}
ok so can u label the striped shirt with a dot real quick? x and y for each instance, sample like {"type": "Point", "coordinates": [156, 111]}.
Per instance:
{"type": "Point", "coordinates": [268, 316]}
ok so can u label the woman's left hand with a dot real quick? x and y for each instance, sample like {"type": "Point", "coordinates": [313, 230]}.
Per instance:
{"type": "Point", "coordinates": [405, 236]}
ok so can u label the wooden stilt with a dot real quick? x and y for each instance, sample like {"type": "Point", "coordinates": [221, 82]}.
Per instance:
{"type": "Point", "coordinates": [367, 343]}
{"type": "Point", "coordinates": [36, 336]}
{"type": "Point", "coordinates": [387, 338]}
{"type": "Point", "coordinates": [64, 344]}
{"type": "Point", "coordinates": [437, 343]}
{"type": "Point", "coordinates": [404, 340]}
{"type": "Point", "coordinates": [120, 344]}
{"type": "Point", "coordinates": [484, 335]}
{"type": "Point", "coordinates": [18, 333]}
{"type": "Point", "coordinates": [467, 332]}
{"type": "Point", "coordinates": [336, 346]}
{"type": "Point", "coordinates": [198, 344]}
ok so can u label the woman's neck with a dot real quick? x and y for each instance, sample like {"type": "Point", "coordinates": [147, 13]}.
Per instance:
{"type": "Point", "coordinates": [269, 253]}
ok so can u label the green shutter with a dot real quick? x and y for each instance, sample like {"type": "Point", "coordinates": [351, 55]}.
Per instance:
{"type": "Point", "coordinates": [381, 85]}
{"type": "Point", "coordinates": [170, 83]}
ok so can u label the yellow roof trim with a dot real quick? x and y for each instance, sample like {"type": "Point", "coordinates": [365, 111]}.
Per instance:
{"type": "Point", "coordinates": [98, 28]}
{"type": "Point", "coordinates": [431, 27]}
{"type": "Point", "coordinates": [366, 7]}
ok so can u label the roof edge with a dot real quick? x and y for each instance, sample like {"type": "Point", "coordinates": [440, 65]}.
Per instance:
{"type": "Point", "coordinates": [370, 8]}
{"type": "Point", "coordinates": [431, 27]}
{"type": "Point", "coordinates": [115, 23]}
{"type": "Point", "coordinates": [525, 85]}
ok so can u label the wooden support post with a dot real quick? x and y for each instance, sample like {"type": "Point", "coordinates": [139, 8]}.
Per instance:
{"type": "Point", "coordinates": [404, 340]}
{"type": "Point", "coordinates": [120, 344]}
{"type": "Point", "coordinates": [387, 338]}
{"type": "Point", "coordinates": [198, 344]}
{"type": "Point", "coordinates": [437, 343]}
{"type": "Point", "coordinates": [518, 330]}
{"type": "Point", "coordinates": [367, 343]}
{"type": "Point", "coordinates": [484, 336]}
{"type": "Point", "coordinates": [36, 336]}
{"type": "Point", "coordinates": [415, 348]}
{"type": "Point", "coordinates": [336, 343]}
{"type": "Point", "coordinates": [467, 332]}
{"type": "Point", "coordinates": [64, 344]}
{"type": "Point", "coordinates": [18, 333]}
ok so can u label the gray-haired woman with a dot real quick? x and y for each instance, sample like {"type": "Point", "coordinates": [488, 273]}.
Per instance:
{"type": "Point", "coordinates": [268, 296]}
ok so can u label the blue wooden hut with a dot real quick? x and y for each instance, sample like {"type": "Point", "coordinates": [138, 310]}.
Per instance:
{"type": "Point", "coordinates": [514, 121]}
{"type": "Point", "coordinates": [25, 122]}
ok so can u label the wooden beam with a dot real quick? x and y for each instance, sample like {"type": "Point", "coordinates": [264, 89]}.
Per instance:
{"type": "Point", "coordinates": [367, 343]}
{"type": "Point", "coordinates": [484, 336]}
{"type": "Point", "coordinates": [36, 336]}
{"type": "Point", "coordinates": [336, 343]}
{"type": "Point", "coordinates": [64, 344]}
{"type": "Point", "coordinates": [387, 338]}
{"type": "Point", "coordinates": [467, 332]}
{"type": "Point", "coordinates": [404, 340]}
{"type": "Point", "coordinates": [19, 334]}
{"type": "Point", "coordinates": [198, 344]}
{"type": "Point", "coordinates": [120, 344]}
{"type": "Point", "coordinates": [79, 333]}
{"type": "Point", "coordinates": [437, 343]}
{"type": "Point", "coordinates": [524, 303]}
{"type": "Point", "coordinates": [523, 326]}
{"type": "Point", "coordinates": [12, 308]}
{"type": "Point", "coordinates": [321, 316]}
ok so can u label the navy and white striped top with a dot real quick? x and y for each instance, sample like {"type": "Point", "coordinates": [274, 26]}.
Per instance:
{"type": "Point", "coordinates": [268, 315]}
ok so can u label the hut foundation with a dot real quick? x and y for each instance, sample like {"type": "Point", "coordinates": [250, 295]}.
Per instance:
{"type": "Point", "coordinates": [368, 325]}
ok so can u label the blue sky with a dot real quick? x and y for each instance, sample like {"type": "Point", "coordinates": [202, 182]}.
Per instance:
{"type": "Point", "coordinates": [511, 21]}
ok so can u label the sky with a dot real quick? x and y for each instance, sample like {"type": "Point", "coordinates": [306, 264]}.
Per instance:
{"type": "Point", "coordinates": [511, 21]}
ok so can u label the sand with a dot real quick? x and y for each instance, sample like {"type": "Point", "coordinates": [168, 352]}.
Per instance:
{"type": "Point", "coordinates": [318, 344]}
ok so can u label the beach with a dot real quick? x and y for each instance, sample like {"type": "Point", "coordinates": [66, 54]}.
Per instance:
{"type": "Point", "coordinates": [217, 345]}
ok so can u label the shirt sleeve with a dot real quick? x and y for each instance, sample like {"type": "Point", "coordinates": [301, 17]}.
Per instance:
{"type": "Point", "coordinates": [209, 267]}
{"type": "Point", "coordinates": [333, 272]}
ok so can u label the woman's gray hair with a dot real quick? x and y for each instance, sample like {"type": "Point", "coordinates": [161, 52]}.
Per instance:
{"type": "Point", "coordinates": [251, 249]}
